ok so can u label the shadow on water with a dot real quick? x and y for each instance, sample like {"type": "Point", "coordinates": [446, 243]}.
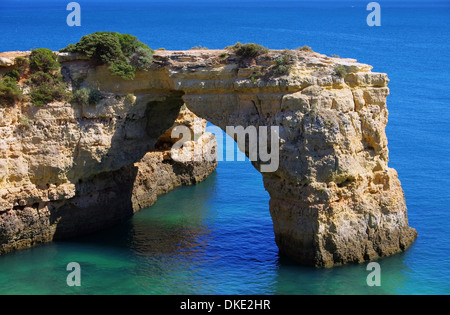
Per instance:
{"type": "Point", "coordinates": [103, 198]}
{"type": "Point", "coordinates": [166, 228]}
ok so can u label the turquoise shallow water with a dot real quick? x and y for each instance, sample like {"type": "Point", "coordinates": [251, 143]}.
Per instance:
{"type": "Point", "coordinates": [216, 237]}
{"type": "Point", "coordinates": [213, 238]}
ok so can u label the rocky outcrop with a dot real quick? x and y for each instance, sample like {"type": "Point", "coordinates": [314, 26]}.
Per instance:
{"type": "Point", "coordinates": [6, 62]}
{"type": "Point", "coordinates": [334, 200]}
{"type": "Point", "coordinates": [58, 180]}
{"type": "Point", "coordinates": [158, 173]}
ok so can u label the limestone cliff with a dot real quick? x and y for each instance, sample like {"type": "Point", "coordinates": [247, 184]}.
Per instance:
{"type": "Point", "coordinates": [334, 200]}
{"type": "Point", "coordinates": [64, 173]}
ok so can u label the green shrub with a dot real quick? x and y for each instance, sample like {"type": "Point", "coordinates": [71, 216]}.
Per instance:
{"type": "Point", "coordinates": [124, 53]}
{"type": "Point", "coordinates": [42, 95]}
{"type": "Point", "coordinates": [71, 48]}
{"type": "Point", "coordinates": [22, 65]}
{"type": "Point", "coordinates": [102, 47]}
{"type": "Point", "coordinates": [141, 59]}
{"type": "Point", "coordinates": [223, 55]}
{"type": "Point", "coordinates": [46, 94]}
{"type": "Point", "coordinates": [256, 75]}
{"type": "Point", "coordinates": [43, 59]}
{"type": "Point", "coordinates": [46, 83]}
{"type": "Point", "coordinates": [199, 47]}
{"type": "Point", "coordinates": [340, 71]}
{"type": "Point", "coordinates": [9, 91]}
{"type": "Point", "coordinates": [130, 44]}
{"type": "Point", "coordinates": [281, 70]}
{"type": "Point", "coordinates": [46, 88]}
{"type": "Point", "coordinates": [14, 74]}
{"type": "Point", "coordinates": [123, 69]}
{"type": "Point", "coordinates": [95, 96]}
{"type": "Point", "coordinates": [250, 50]}
{"type": "Point", "coordinates": [284, 59]}
{"type": "Point", "coordinates": [81, 96]}
{"type": "Point", "coordinates": [283, 63]}
{"type": "Point", "coordinates": [343, 70]}
{"type": "Point", "coordinates": [40, 78]}
{"type": "Point", "coordinates": [87, 96]}
{"type": "Point", "coordinates": [305, 48]}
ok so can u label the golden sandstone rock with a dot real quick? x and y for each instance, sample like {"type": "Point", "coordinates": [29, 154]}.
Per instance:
{"type": "Point", "coordinates": [334, 200]}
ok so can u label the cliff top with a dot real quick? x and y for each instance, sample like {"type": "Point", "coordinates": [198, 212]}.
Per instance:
{"type": "Point", "coordinates": [197, 55]}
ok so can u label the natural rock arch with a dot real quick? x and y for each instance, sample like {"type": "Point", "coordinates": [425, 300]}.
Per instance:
{"type": "Point", "coordinates": [333, 199]}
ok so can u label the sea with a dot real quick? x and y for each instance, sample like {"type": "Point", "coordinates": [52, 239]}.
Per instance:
{"type": "Point", "coordinates": [216, 237]}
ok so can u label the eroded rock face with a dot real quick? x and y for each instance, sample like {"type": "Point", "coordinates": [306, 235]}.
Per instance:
{"type": "Point", "coordinates": [158, 173]}
{"type": "Point", "coordinates": [68, 170]}
{"type": "Point", "coordinates": [334, 200]}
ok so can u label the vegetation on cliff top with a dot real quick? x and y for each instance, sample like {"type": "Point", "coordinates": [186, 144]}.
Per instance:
{"type": "Point", "coordinates": [9, 91]}
{"type": "Point", "coordinates": [250, 50]}
{"type": "Point", "coordinates": [40, 73]}
{"type": "Point", "coordinates": [283, 63]}
{"type": "Point", "coordinates": [343, 70]}
{"type": "Point", "coordinates": [123, 53]}
{"type": "Point", "coordinates": [46, 82]}
{"type": "Point", "coordinates": [43, 59]}
{"type": "Point", "coordinates": [46, 88]}
{"type": "Point", "coordinates": [305, 48]}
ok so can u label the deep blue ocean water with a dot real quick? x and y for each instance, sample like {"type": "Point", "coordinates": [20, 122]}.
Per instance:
{"type": "Point", "coordinates": [216, 237]}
